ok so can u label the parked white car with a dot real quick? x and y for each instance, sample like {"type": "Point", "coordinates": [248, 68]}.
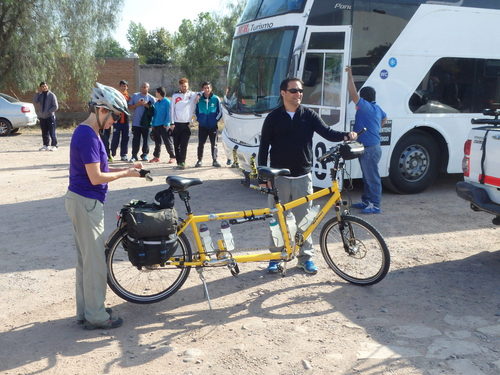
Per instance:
{"type": "Point", "coordinates": [15, 114]}
{"type": "Point", "coordinates": [481, 165]}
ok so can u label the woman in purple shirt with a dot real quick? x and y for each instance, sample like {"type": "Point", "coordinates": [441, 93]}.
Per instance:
{"type": "Point", "coordinates": [89, 175]}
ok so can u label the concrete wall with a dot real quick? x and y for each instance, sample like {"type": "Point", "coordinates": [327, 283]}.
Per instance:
{"type": "Point", "coordinates": [168, 76]}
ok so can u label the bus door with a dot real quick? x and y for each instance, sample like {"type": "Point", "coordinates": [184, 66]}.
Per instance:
{"type": "Point", "coordinates": [327, 52]}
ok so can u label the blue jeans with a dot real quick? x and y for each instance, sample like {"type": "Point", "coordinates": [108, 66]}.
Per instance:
{"type": "Point", "coordinates": [120, 131]}
{"type": "Point", "coordinates": [372, 186]}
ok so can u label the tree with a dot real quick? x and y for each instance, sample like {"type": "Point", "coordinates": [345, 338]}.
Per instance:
{"type": "Point", "coordinates": [155, 47]}
{"type": "Point", "coordinates": [109, 47]}
{"type": "Point", "coordinates": [200, 45]}
{"type": "Point", "coordinates": [54, 41]}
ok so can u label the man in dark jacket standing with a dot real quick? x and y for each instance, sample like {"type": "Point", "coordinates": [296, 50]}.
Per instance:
{"type": "Point", "coordinates": [46, 105]}
{"type": "Point", "coordinates": [208, 113]}
{"type": "Point", "coordinates": [288, 132]}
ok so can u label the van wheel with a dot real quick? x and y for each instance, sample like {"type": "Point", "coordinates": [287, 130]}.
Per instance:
{"type": "Point", "coordinates": [5, 127]}
{"type": "Point", "coordinates": [414, 164]}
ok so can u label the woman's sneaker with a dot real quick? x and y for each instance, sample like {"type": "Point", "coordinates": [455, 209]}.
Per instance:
{"type": "Point", "coordinates": [108, 324]}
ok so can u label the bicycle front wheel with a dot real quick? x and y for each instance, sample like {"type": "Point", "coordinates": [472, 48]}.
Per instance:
{"type": "Point", "coordinates": [149, 284]}
{"type": "Point", "coordinates": [354, 250]}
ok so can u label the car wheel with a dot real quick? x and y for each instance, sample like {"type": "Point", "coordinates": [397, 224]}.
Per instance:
{"type": "Point", "coordinates": [414, 164]}
{"type": "Point", "coordinates": [5, 127]}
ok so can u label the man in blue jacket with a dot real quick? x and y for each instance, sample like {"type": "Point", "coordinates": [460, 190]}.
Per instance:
{"type": "Point", "coordinates": [208, 113]}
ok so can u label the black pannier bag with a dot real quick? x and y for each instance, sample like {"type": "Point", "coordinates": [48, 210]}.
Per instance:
{"type": "Point", "coordinates": [351, 150]}
{"type": "Point", "coordinates": [151, 233]}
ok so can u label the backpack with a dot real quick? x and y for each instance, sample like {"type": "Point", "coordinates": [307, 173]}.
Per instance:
{"type": "Point", "coordinates": [147, 115]}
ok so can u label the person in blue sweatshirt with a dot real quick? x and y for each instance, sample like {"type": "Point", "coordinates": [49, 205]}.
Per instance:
{"type": "Point", "coordinates": [208, 114]}
{"type": "Point", "coordinates": [161, 126]}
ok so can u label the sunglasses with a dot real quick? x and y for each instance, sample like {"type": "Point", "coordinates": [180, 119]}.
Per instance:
{"type": "Point", "coordinates": [115, 116]}
{"type": "Point", "coordinates": [294, 91]}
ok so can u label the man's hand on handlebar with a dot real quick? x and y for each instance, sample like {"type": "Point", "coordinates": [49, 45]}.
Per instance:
{"type": "Point", "coordinates": [351, 136]}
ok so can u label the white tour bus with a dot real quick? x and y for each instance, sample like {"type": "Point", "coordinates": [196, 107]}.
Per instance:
{"type": "Point", "coordinates": [433, 64]}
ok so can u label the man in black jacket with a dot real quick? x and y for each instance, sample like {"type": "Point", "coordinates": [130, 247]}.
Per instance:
{"type": "Point", "coordinates": [288, 131]}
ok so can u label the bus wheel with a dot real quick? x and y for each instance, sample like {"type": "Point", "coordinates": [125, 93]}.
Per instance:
{"type": "Point", "coordinates": [414, 164]}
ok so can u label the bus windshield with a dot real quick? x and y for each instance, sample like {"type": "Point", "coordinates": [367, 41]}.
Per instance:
{"type": "Point", "coordinates": [259, 62]}
{"type": "Point", "coordinates": [267, 8]}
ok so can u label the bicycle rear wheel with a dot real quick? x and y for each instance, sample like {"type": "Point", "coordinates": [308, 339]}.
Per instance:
{"type": "Point", "coordinates": [149, 284]}
{"type": "Point", "coordinates": [354, 250]}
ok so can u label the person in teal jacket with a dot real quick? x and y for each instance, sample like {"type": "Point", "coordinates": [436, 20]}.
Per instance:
{"type": "Point", "coordinates": [161, 126]}
{"type": "Point", "coordinates": [208, 114]}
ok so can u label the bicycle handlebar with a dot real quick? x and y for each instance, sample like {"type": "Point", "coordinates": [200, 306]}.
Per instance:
{"type": "Point", "coordinates": [335, 149]}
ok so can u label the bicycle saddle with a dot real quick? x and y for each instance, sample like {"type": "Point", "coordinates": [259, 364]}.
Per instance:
{"type": "Point", "coordinates": [179, 183]}
{"type": "Point", "coordinates": [267, 173]}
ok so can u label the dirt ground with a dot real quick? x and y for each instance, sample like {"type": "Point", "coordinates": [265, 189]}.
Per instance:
{"type": "Point", "coordinates": [436, 312]}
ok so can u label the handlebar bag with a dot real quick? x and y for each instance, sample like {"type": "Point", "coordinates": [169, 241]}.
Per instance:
{"type": "Point", "coordinates": [351, 150]}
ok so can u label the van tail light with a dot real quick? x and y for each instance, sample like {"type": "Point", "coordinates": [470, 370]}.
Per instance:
{"type": "Point", "coordinates": [25, 109]}
{"type": "Point", "coordinates": [466, 159]}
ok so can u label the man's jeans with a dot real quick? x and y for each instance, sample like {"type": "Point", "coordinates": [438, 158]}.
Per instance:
{"type": "Point", "coordinates": [372, 189]}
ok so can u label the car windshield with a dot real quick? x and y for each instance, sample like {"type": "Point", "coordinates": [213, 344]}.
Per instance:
{"type": "Point", "coordinates": [9, 98]}
{"type": "Point", "coordinates": [259, 62]}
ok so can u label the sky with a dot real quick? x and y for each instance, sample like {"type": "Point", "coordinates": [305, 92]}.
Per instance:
{"type": "Point", "coordinates": [153, 14]}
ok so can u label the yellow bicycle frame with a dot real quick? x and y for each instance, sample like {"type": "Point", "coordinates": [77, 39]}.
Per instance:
{"type": "Point", "coordinates": [287, 253]}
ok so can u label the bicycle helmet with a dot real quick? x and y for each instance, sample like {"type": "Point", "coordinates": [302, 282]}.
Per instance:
{"type": "Point", "coordinates": [109, 98]}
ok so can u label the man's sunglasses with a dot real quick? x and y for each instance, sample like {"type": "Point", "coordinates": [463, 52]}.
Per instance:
{"type": "Point", "coordinates": [294, 91]}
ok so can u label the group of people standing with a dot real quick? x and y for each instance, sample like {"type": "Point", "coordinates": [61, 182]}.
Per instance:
{"type": "Point", "coordinates": [167, 122]}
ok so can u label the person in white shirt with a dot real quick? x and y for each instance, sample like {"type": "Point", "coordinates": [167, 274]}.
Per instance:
{"type": "Point", "coordinates": [182, 110]}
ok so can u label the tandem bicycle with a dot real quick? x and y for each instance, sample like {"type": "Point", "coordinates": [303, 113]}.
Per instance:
{"type": "Point", "coordinates": [351, 247]}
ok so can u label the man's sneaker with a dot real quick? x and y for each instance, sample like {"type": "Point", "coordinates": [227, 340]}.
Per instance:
{"type": "Point", "coordinates": [108, 324]}
{"type": "Point", "coordinates": [144, 157]}
{"type": "Point", "coordinates": [371, 209]}
{"type": "Point", "coordinates": [53, 148]}
{"type": "Point", "coordinates": [82, 321]}
{"type": "Point", "coordinates": [360, 205]}
{"type": "Point", "coordinates": [181, 166]}
{"type": "Point", "coordinates": [124, 158]}
{"type": "Point", "coordinates": [44, 148]}
{"type": "Point", "coordinates": [229, 162]}
{"type": "Point", "coordinates": [216, 164]}
{"type": "Point", "coordinates": [171, 160]}
{"type": "Point", "coordinates": [155, 160]}
{"type": "Point", "coordinates": [198, 164]}
{"type": "Point", "coordinates": [273, 266]}
{"type": "Point", "coordinates": [309, 267]}
{"type": "Point", "coordinates": [132, 160]}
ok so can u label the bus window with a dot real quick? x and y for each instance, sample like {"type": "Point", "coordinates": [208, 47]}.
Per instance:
{"type": "Point", "coordinates": [326, 41]}
{"type": "Point", "coordinates": [274, 7]}
{"type": "Point", "coordinates": [256, 9]}
{"type": "Point", "coordinates": [325, 13]}
{"type": "Point", "coordinates": [458, 85]}
{"type": "Point", "coordinates": [488, 90]}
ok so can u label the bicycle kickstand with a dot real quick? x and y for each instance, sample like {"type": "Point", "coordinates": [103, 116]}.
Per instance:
{"type": "Point", "coordinates": [205, 289]}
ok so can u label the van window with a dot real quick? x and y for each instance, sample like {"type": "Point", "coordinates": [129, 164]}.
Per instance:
{"type": "Point", "coordinates": [458, 85]}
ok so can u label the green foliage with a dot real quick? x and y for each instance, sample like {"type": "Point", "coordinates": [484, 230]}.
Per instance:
{"type": "Point", "coordinates": [35, 36]}
{"type": "Point", "coordinates": [109, 47]}
{"type": "Point", "coordinates": [155, 47]}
